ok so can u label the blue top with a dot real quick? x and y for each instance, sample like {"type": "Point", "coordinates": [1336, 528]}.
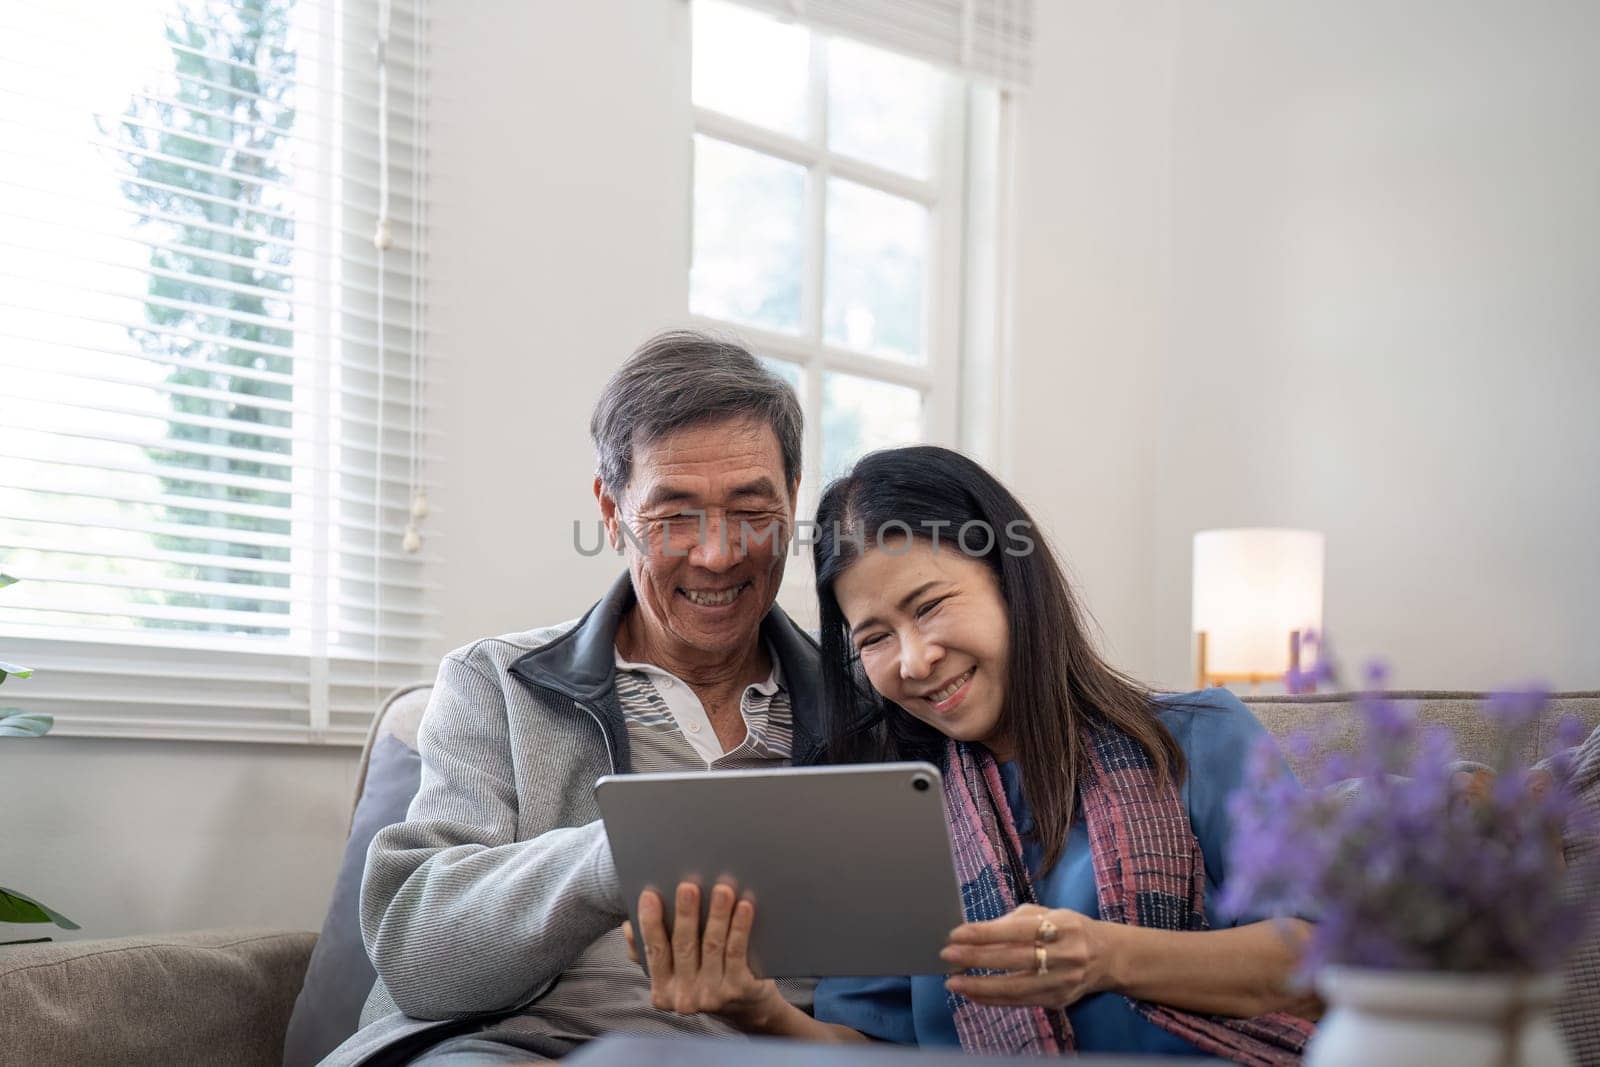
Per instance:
{"type": "Point", "coordinates": [1216, 732]}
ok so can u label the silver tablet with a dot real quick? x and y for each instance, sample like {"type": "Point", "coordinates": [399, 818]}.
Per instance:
{"type": "Point", "coordinates": [849, 867]}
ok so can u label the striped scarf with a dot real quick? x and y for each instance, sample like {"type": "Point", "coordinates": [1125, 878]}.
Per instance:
{"type": "Point", "coordinates": [1148, 871]}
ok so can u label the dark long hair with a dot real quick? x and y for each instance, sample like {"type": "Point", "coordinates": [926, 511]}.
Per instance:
{"type": "Point", "coordinates": [1058, 689]}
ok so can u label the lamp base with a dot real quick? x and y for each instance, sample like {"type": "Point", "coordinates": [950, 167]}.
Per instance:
{"type": "Point", "coordinates": [1205, 679]}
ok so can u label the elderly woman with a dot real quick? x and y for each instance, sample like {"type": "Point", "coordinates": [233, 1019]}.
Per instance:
{"type": "Point", "coordinates": [1089, 815]}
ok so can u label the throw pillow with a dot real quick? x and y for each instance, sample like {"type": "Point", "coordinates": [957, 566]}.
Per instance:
{"type": "Point", "coordinates": [340, 976]}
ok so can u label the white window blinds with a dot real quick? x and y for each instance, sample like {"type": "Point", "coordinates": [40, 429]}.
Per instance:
{"type": "Point", "coordinates": [989, 39]}
{"type": "Point", "coordinates": [212, 378]}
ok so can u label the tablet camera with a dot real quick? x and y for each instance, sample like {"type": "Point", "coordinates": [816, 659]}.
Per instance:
{"type": "Point", "coordinates": [921, 783]}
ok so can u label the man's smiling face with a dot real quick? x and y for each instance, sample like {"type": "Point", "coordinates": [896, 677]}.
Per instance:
{"type": "Point", "coordinates": [708, 514]}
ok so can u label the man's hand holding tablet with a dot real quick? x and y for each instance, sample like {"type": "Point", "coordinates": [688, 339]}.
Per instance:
{"type": "Point", "coordinates": [693, 972]}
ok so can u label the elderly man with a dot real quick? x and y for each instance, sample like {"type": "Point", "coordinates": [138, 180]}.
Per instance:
{"type": "Point", "coordinates": [493, 912]}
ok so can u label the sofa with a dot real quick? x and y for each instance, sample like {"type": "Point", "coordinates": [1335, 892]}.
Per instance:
{"type": "Point", "coordinates": [220, 997]}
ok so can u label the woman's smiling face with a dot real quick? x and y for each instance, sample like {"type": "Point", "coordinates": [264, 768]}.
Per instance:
{"type": "Point", "coordinates": [930, 627]}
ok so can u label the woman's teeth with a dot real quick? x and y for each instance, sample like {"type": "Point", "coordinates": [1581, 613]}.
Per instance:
{"type": "Point", "coordinates": [950, 690]}
{"type": "Point", "coordinates": [714, 600]}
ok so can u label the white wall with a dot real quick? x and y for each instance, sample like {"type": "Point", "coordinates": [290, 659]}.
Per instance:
{"type": "Point", "coordinates": [1387, 222]}
{"type": "Point", "coordinates": [561, 238]}
{"type": "Point", "coordinates": [1332, 266]}
{"type": "Point", "coordinates": [1092, 186]}
{"type": "Point", "coordinates": [133, 837]}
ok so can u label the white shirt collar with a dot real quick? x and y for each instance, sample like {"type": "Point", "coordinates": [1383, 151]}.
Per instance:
{"type": "Point", "coordinates": [773, 683]}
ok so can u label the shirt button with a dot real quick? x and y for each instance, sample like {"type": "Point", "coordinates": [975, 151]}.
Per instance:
{"type": "Point", "coordinates": [694, 728]}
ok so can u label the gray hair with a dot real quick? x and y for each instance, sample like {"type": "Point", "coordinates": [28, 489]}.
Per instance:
{"type": "Point", "coordinates": [684, 378]}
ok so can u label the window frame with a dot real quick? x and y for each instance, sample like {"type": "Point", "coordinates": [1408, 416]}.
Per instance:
{"type": "Point", "coordinates": [943, 193]}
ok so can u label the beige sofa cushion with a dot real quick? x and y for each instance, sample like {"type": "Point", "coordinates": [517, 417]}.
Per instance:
{"type": "Point", "coordinates": [218, 997]}
{"type": "Point", "coordinates": [1335, 719]}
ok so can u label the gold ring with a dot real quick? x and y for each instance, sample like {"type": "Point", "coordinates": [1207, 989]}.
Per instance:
{"type": "Point", "coordinates": [1047, 931]}
{"type": "Point", "coordinates": [1041, 963]}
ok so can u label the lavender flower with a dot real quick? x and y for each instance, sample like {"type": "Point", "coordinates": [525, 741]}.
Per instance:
{"type": "Point", "coordinates": [1406, 858]}
{"type": "Point", "coordinates": [1321, 670]}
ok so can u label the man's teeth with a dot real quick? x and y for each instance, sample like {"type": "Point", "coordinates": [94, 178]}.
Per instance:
{"type": "Point", "coordinates": [950, 690]}
{"type": "Point", "coordinates": [713, 600]}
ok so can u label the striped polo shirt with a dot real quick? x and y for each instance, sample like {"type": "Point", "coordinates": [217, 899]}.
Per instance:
{"type": "Point", "coordinates": [603, 991]}
{"type": "Point", "coordinates": [668, 729]}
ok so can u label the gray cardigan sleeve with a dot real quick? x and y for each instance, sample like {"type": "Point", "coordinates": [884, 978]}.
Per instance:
{"type": "Point", "coordinates": [458, 915]}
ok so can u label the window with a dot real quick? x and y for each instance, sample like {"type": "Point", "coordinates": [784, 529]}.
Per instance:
{"type": "Point", "coordinates": [828, 224]}
{"type": "Point", "coordinates": [211, 418]}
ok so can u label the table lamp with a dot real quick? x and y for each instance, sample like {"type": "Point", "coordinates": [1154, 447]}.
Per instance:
{"type": "Point", "coordinates": [1257, 594]}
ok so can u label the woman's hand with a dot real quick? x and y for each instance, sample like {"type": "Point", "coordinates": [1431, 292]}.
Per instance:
{"type": "Point", "coordinates": [707, 972]}
{"type": "Point", "coordinates": [1075, 958]}
{"type": "Point", "coordinates": [1238, 971]}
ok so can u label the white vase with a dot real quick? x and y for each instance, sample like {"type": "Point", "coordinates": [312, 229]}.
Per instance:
{"type": "Point", "coordinates": [1394, 1018]}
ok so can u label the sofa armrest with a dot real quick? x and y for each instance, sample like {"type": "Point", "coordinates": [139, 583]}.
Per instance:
{"type": "Point", "coordinates": [206, 997]}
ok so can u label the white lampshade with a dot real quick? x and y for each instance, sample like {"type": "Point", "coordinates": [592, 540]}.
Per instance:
{"type": "Point", "coordinates": [1252, 588]}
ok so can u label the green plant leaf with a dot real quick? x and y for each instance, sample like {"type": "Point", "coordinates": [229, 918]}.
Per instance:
{"type": "Point", "coordinates": [6, 579]}
{"type": "Point", "coordinates": [14, 668]}
{"type": "Point", "coordinates": [18, 908]}
{"type": "Point", "coordinates": [13, 909]}
{"type": "Point", "coordinates": [14, 722]}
